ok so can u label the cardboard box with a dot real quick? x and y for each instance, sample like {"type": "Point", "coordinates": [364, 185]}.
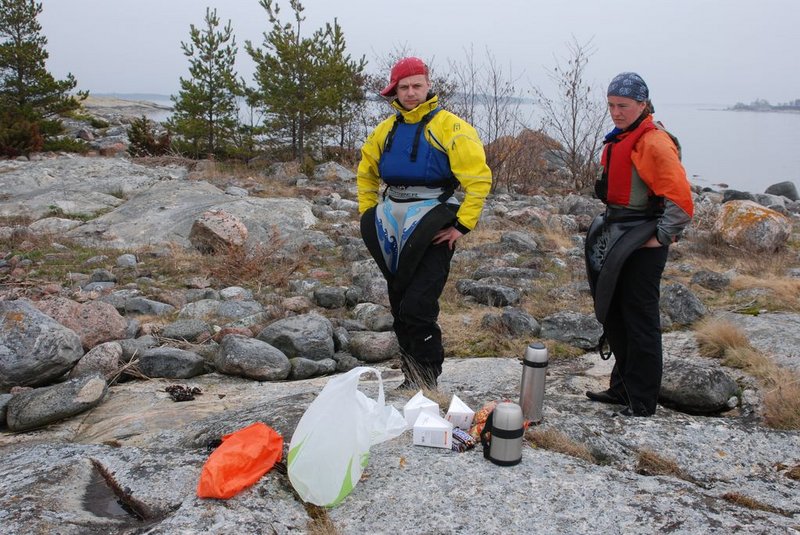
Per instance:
{"type": "Point", "coordinates": [459, 414]}
{"type": "Point", "coordinates": [417, 404]}
{"type": "Point", "coordinates": [432, 430]}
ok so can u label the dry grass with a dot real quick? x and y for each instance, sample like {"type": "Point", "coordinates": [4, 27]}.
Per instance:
{"type": "Point", "coordinates": [650, 463]}
{"type": "Point", "coordinates": [553, 440]}
{"type": "Point", "coordinates": [781, 402]}
{"type": "Point", "coordinates": [783, 295]}
{"type": "Point", "coordinates": [741, 500]}
{"type": "Point", "coordinates": [715, 337]}
{"type": "Point", "coordinates": [782, 405]}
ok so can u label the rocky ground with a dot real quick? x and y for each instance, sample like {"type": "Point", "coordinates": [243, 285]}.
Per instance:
{"type": "Point", "coordinates": [110, 451]}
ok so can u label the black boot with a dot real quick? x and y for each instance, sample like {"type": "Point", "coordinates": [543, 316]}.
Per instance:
{"type": "Point", "coordinates": [607, 396]}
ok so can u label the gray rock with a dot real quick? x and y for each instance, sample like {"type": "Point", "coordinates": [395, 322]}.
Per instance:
{"type": "Point", "coordinates": [374, 347]}
{"type": "Point", "coordinates": [4, 399]}
{"type": "Point", "coordinates": [681, 304]}
{"type": "Point", "coordinates": [190, 330]}
{"type": "Point", "coordinates": [235, 293]}
{"type": "Point", "coordinates": [54, 225]}
{"type": "Point", "coordinates": [171, 363]}
{"type": "Point", "coordinates": [521, 242]}
{"type": "Point", "coordinates": [135, 347]}
{"type": "Point", "coordinates": [102, 275]}
{"type": "Point", "coordinates": [485, 293]}
{"type": "Point", "coordinates": [142, 305]}
{"type": "Point", "coordinates": [696, 389]}
{"type": "Point", "coordinates": [104, 360]}
{"type": "Point", "coordinates": [236, 192]}
{"type": "Point", "coordinates": [330, 296]}
{"type": "Point", "coordinates": [345, 361]}
{"type": "Point", "coordinates": [520, 323]}
{"type": "Point", "coordinates": [786, 189]}
{"type": "Point", "coordinates": [735, 195]}
{"type": "Point", "coordinates": [126, 260]}
{"type": "Point", "coordinates": [374, 317]}
{"type": "Point", "coordinates": [34, 349]}
{"type": "Point", "coordinates": [42, 406]}
{"type": "Point", "coordinates": [308, 335]}
{"type": "Point", "coordinates": [711, 280]}
{"type": "Point", "coordinates": [98, 286]}
{"type": "Point", "coordinates": [251, 358]}
{"type": "Point", "coordinates": [118, 298]}
{"type": "Point", "coordinates": [505, 272]}
{"type": "Point", "coordinates": [305, 368]}
{"type": "Point", "coordinates": [574, 328]}
{"type": "Point", "coordinates": [165, 212]}
{"type": "Point", "coordinates": [227, 313]}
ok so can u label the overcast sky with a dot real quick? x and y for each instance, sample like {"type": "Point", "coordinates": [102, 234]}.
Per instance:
{"type": "Point", "coordinates": [688, 51]}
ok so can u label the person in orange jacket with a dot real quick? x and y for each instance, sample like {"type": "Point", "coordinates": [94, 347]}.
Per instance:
{"type": "Point", "coordinates": [648, 204]}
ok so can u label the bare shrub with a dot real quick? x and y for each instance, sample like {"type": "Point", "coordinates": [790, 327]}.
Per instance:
{"type": "Point", "coordinates": [262, 265]}
{"type": "Point", "coordinates": [552, 439]}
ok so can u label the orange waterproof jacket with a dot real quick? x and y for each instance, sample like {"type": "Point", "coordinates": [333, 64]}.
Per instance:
{"type": "Point", "coordinates": [657, 171]}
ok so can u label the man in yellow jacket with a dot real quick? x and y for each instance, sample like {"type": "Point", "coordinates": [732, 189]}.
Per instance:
{"type": "Point", "coordinates": [422, 154]}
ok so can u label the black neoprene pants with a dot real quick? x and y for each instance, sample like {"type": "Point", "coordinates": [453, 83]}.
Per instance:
{"type": "Point", "coordinates": [415, 309]}
{"type": "Point", "coordinates": [633, 327]}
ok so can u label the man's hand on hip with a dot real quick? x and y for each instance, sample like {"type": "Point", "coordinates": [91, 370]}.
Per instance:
{"type": "Point", "coordinates": [447, 235]}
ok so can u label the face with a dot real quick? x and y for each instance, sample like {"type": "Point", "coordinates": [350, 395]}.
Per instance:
{"type": "Point", "coordinates": [624, 111]}
{"type": "Point", "coordinates": [412, 90]}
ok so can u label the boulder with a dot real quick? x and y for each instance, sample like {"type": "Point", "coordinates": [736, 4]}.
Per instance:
{"type": "Point", "coordinates": [786, 189]}
{"type": "Point", "coordinates": [104, 360]}
{"type": "Point", "coordinates": [697, 389]}
{"type": "Point", "coordinates": [95, 321]}
{"type": "Point", "coordinates": [486, 293]}
{"type": "Point", "coordinates": [574, 328]}
{"type": "Point", "coordinates": [251, 358]}
{"type": "Point", "coordinates": [34, 348]}
{"type": "Point", "coordinates": [171, 363]}
{"type": "Point", "coordinates": [681, 304]}
{"type": "Point", "coordinates": [217, 231]}
{"type": "Point", "coordinates": [308, 335]}
{"type": "Point", "coordinates": [374, 347]}
{"type": "Point", "coordinates": [752, 227]}
{"type": "Point", "coordinates": [42, 406]}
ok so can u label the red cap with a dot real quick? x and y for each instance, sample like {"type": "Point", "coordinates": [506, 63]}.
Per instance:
{"type": "Point", "coordinates": [403, 69]}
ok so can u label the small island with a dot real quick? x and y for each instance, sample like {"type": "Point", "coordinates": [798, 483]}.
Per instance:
{"type": "Point", "coordinates": [763, 105]}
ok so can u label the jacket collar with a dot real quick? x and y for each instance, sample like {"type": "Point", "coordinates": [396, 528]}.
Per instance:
{"type": "Point", "coordinates": [415, 115]}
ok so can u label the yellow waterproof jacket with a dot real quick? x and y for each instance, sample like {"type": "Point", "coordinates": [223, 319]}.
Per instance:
{"type": "Point", "coordinates": [446, 132]}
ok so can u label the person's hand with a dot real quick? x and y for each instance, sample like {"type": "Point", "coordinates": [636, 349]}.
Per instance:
{"type": "Point", "coordinates": [652, 242]}
{"type": "Point", "coordinates": [447, 235]}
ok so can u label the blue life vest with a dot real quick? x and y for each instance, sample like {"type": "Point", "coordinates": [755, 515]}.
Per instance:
{"type": "Point", "coordinates": [408, 159]}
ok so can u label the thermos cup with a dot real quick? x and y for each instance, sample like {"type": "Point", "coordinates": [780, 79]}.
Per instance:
{"type": "Point", "coordinates": [502, 434]}
{"type": "Point", "coordinates": [531, 392]}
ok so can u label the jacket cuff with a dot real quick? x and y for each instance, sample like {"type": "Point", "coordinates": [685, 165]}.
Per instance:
{"type": "Point", "coordinates": [664, 238]}
{"type": "Point", "coordinates": [461, 228]}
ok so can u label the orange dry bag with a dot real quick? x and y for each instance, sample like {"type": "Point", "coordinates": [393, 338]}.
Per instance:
{"type": "Point", "coordinates": [242, 458]}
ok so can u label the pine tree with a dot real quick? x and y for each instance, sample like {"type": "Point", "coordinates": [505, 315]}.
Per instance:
{"type": "Point", "coordinates": [302, 80]}
{"type": "Point", "coordinates": [206, 110]}
{"type": "Point", "coordinates": [31, 99]}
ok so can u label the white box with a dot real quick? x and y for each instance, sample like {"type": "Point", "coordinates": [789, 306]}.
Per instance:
{"type": "Point", "coordinates": [459, 414]}
{"type": "Point", "coordinates": [432, 430]}
{"type": "Point", "coordinates": [417, 404]}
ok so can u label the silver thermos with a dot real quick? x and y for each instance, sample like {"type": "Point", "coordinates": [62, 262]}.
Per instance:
{"type": "Point", "coordinates": [531, 392]}
{"type": "Point", "coordinates": [502, 434]}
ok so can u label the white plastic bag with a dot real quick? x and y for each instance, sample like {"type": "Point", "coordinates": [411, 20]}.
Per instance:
{"type": "Point", "coordinates": [330, 446]}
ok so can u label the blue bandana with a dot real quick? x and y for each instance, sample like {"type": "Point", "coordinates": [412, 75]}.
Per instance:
{"type": "Point", "coordinates": [630, 85]}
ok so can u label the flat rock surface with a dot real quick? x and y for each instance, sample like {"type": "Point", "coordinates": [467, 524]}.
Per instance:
{"type": "Point", "coordinates": [152, 449]}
